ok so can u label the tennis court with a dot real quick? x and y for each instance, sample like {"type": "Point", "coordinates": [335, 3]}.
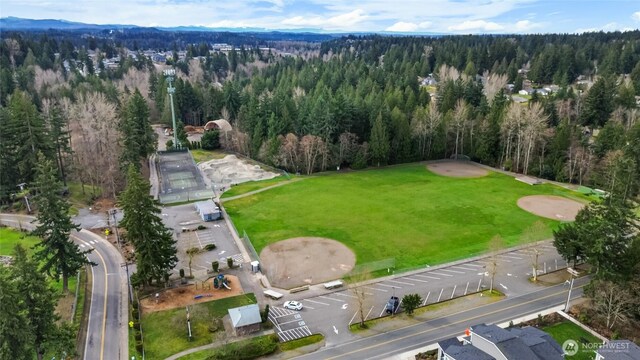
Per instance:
{"type": "Point", "coordinates": [180, 178]}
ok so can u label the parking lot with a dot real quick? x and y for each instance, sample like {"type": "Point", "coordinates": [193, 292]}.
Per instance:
{"type": "Point", "coordinates": [289, 324]}
{"type": "Point", "coordinates": [216, 232]}
{"type": "Point", "coordinates": [331, 313]}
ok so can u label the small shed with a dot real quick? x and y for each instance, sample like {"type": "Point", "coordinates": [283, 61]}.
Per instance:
{"type": "Point", "coordinates": [208, 210]}
{"type": "Point", "coordinates": [245, 319]}
{"type": "Point", "coordinates": [221, 124]}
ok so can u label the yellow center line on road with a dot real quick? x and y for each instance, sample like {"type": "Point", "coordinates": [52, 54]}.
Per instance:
{"type": "Point", "coordinates": [453, 323]}
{"type": "Point", "coordinates": [106, 287]}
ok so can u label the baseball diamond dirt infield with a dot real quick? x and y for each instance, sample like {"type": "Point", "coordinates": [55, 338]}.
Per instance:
{"type": "Point", "coordinates": [306, 260]}
{"type": "Point", "coordinates": [457, 169]}
{"type": "Point", "coordinates": [551, 207]}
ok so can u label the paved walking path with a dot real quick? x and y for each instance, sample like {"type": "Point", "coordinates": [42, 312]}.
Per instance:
{"type": "Point", "coordinates": [215, 344]}
{"type": "Point", "coordinates": [263, 189]}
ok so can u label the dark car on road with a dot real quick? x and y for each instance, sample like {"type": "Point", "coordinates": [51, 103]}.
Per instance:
{"type": "Point", "coordinates": [392, 305]}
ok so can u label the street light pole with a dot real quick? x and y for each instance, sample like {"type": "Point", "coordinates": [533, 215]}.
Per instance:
{"type": "Point", "coordinates": [170, 73]}
{"type": "Point", "coordinates": [573, 275]}
{"type": "Point", "coordinates": [126, 263]}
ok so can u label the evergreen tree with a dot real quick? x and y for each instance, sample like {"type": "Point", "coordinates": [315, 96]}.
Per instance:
{"type": "Point", "coordinates": [155, 248]}
{"type": "Point", "coordinates": [37, 299]}
{"type": "Point", "coordinates": [61, 139]}
{"type": "Point", "coordinates": [379, 144]}
{"type": "Point", "coordinates": [598, 104]}
{"type": "Point", "coordinates": [15, 342]}
{"type": "Point", "coordinates": [58, 254]}
{"type": "Point", "coordinates": [211, 140]}
{"type": "Point", "coordinates": [138, 139]}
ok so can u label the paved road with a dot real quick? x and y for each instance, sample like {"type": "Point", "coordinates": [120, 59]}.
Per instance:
{"type": "Point", "coordinates": [108, 314]}
{"type": "Point", "coordinates": [412, 337]}
{"type": "Point", "coordinates": [327, 312]}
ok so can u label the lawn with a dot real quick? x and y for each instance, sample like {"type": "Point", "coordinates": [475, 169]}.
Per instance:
{"type": "Point", "coordinates": [200, 155]}
{"type": "Point", "coordinates": [403, 212]}
{"type": "Point", "coordinates": [9, 238]}
{"type": "Point", "coordinates": [165, 332]}
{"type": "Point", "coordinates": [567, 330]}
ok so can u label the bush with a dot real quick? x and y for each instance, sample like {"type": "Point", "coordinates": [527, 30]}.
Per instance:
{"type": "Point", "coordinates": [265, 314]}
{"type": "Point", "coordinates": [210, 140]}
{"type": "Point", "coordinates": [134, 305]}
{"type": "Point", "coordinates": [215, 265]}
{"type": "Point", "coordinates": [138, 336]}
{"type": "Point", "coordinates": [201, 227]}
{"type": "Point", "coordinates": [135, 313]}
{"type": "Point", "coordinates": [230, 262]}
{"type": "Point", "coordinates": [181, 273]}
{"type": "Point", "coordinates": [139, 347]}
{"type": "Point", "coordinates": [210, 247]}
{"type": "Point", "coordinates": [136, 325]}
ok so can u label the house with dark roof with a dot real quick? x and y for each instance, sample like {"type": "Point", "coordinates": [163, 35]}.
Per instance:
{"type": "Point", "coordinates": [245, 319]}
{"type": "Point", "coordinates": [618, 350]}
{"type": "Point", "coordinates": [491, 342]}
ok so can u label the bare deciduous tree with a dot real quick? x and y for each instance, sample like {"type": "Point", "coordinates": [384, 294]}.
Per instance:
{"type": "Point", "coordinates": [533, 234]}
{"type": "Point", "coordinates": [459, 122]}
{"type": "Point", "coordinates": [348, 146]}
{"type": "Point", "coordinates": [362, 296]}
{"type": "Point", "coordinates": [493, 83]}
{"type": "Point", "coordinates": [289, 155]}
{"type": "Point", "coordinates": [495, 246]}
{"type": "Point", "coordinates": [312, 147]}
{"type": "Point", "coordinates": [612, 301]}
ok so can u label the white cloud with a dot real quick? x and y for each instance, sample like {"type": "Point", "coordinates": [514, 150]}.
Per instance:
{"type": "Point", "coordinates": [402, 26]}
{"type": "Point", "coordinates": [342, 21]}
{"type": "Point", "coordinates": [527, 26]}
{"type": "Point", "coordinates": [476, 25]}
{"type": "Point", "coordinates": [636, 16]}
{"type": "Point", "coordinates": [612, 26]}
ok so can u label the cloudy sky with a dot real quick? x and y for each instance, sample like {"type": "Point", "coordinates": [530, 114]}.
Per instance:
{"type": "Point", "coordinates": [442, 16]}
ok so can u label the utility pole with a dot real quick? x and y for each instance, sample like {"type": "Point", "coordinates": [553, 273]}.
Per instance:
{"type": "Point", "coordinates": [573, 275]}
{"type": "Point", "coordinates": [113, 212]}
{"type": "Point", "coordinates": [170, 74]}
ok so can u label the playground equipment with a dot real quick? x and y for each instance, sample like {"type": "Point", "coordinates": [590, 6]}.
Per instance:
{"type": "Point", "coordinates": [221, 281]}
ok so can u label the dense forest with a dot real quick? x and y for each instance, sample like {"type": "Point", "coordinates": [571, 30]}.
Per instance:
{"type": "Point", "coordinates": [357, 102]}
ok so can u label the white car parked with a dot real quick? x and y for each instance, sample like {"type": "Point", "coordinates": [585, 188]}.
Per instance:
{"type": "Point", "coordinates": [293, 305]}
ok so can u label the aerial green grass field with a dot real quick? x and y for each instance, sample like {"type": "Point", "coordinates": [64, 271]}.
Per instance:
{"type": "Point", "coordinates": [404, 212]}
{"type": "Point", "coordinates": [567, 330]}
{"type": "Point", "coordinates": [9, 238]}
{"type": "Point", "coordinates": [165, 332]}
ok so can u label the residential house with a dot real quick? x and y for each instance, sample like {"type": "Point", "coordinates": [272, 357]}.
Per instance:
{"type": "Point", "coordinates": [618, 350]}
{"type": "Point", "coordinates": [491, 342]}
{"type": "Point", "coordinates": [245, 319]}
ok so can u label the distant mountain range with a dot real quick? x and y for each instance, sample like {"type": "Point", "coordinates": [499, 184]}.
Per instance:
{"type": "Point", "coordinates": [14, 23]}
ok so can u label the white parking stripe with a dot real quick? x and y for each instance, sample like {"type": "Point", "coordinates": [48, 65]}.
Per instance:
{"type": "Point", "coordinates": [347, 295]}
{"type": "Point", "coordinates": [309, 307]}
{"type": "Point", "coordinates": [81, 245]}
{"type": "Point", "coordinates": [452, 271]}
{"type": "Point", "coordinates": [511, 257]}
{"type": "Point", "coordinates": [441, 274]}
{"type": "Point", "coordinates": [428, 277]}
{"type": "Point", "coordinates": [371, 288]}
{"type": "Point", "coordinates": [413, 279]}
{"type": "Point", "coordinates": [463, 268]}
{"type": "Point", "coordinates": [328, 298]}
{"type": "Point", "coordinates": [400, 282]}
{"type": "Point", "coordinates": [472, 265]}
{"type": "Point", "coordinates": [391, 286]}
{"type": "Point", "coordinates": [316, 302]}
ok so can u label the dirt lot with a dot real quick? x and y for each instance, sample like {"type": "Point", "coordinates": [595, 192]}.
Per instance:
{"type": "Point", "coordinates": [551, 207]}
{"type": "Point", "coordinates": [457, 169]}
{"type": "Point", "coordinates": [183, 296]}
{"type": "Point", "coordinates": [305, 261]}
{"type": "Point", "coordinates": [232, 170]}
